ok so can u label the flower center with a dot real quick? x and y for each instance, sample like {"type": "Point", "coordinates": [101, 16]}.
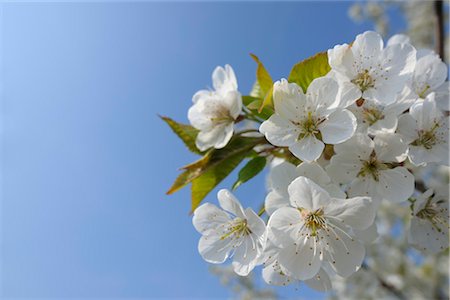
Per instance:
{"type": "Point", "coordinates": [221, 116]}
{"type": "Point", "coordinates": [422, 92]}
{"type": "Point", "coordinates": [237, 228]}
{"type": "Point", "coordinates": [371, 167]}
{"type": "Point", "coordinates": [431, 213]}
{"type": "Point", "coordinates": [364, 80]}
{"type": "Point", "coordinates": [314, 220]}
{"type": "Point", "coordinates": [309, 126]}
{"type": "Point", "coordinates": [426, 139]}
{"type": "Point", "coordinates": [372, 115]}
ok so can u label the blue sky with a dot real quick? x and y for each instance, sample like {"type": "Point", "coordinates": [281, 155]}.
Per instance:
{"type": "Point", "coordinates": [86, 162]}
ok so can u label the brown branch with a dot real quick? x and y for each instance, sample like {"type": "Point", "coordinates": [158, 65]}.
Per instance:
{"type": "Point", "coordinates": [439, 13]}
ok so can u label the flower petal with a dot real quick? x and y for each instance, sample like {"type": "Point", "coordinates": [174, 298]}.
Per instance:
{"type": "Point", "coordinates": [339, 127]}
{"type": "Point", "coordinates": [229, 203]}
{"type": "Point", "coordinates": [344, 253]}
{"type": "Point", "coordinates": [357, 212]}
{"type": "Point", "coordinates": [284, 225]}
{"type": "Point", "coordinates": [224, 79]}
{"type": "Point", "coordinates": [245, 257]}
{"type": "Point", "coordinates": [208, 216]}
{"type": "Point", "coordinates": [279, 131]}
{"type": "Point", "coordinates": [288, 99]}
{"type": "Point", "coordinates": [396, 185]}
{"type": "Point", "coordinates": [308, 148]}
{"type": "Point", "coordinates": [300, 260]}
{"type": "Point", "coordinates": [213, 249]}
{"type": "Point", "coordinates": [389, 147]}
{"type": "Point", "coordinates": [320, 282]}
{"type": "Point", "coordinates": [304, 193]}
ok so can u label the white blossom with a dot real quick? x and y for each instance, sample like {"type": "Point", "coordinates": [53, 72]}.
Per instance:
{"type": "Point", "coordinates": [367, 70]}
{"type": "Point", "coordinates": [429, 230]}
{"type": "Point", "coordinates": [283, 174]}
{"type": "Point", "coordinates": [304, 122]}
{"type": "Point", "coordinates": [425, 129]}
{"type": "Point", "coordinates": [374, 118]}
{"type": "Point", "coordinates": [429, 75]}
{"type": "Point", "coordinates": [214, 112]}
{"type": "Point", "coordinates": [315, 231]}
{"type": "Point", "coordinates": [371, 168]}
{"type": "Point", "coordinates": [232, 231]}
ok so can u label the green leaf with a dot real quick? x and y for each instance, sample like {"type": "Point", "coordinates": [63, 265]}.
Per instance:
{"type": "Point", "coordinates": [304, 72]}
{"type": "Point", "coordinates": [186, 133]}
{"type": "Point", "coordinates": [213, 167]}
{"type": "Point", "coordinates": [204, 184]}
{"type": "Point", "coordinates": [263, 78]}
{"type": "Point", "coordinates": [268, 100]}
{"type": "Point", "coordinates": [250, 170]}
{"type": "Point", "coordinates": [246, 100]}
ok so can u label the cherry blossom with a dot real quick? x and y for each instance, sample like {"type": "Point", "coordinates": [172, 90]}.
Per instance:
{"type": "Point", "coordinates": [232, 231]}
{"type": "Point", "coordinates": [371, 167]}
{"type": "Point", "coordinates": [315, 231]}
{"type": "Point", "coordinates": [425, 129]}
{"type": "Point", "coordinates": [367, 70]}
{"type": "Point", "coordinates": [214, 112]}
{"type": "Point", "coordinates": [304, 122]}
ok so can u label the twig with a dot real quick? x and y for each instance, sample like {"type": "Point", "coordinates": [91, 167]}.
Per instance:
{"type": "Point", "coordinates": [439, 13]}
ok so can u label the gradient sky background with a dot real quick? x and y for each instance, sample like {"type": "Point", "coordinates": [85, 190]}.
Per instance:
{"type": "Point", "coordinates": [86, 162]}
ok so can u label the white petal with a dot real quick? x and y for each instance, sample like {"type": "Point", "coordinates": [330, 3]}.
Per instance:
{"type": "Point", "coordinates": [430, 70]}
{"type": "Point", "coordinates": [399, 60]}
{"type": "Point", "coordinates": [208, 216]}
{"type": "Point", "coordinates": [245, 257]}
{"type": "Point", "coordinates": [348, 94]}
{"type": "Point", "coordinates": [218, 137]}
{"type": "Point", "coordinates": [396, 185]}
{"type": "Point", "coordinates": [233, 101]}
{"type": "Point", "coordinates": [308, 148]}
{"type": "Point", "coordinates": [442, 96]}
{"type": "Point", "coordinates": [322, 93]}
{"type": "Point", "coordinates": [339, 127]}
{"type": "Point", "coordinates": [213, 249]}
{"type": "Point", "coordinates": [279, 131]}
{"type": "Point", "coordinates": [389, 147]}
{"type": "Point", "coordinates": [381, 95]}
{"type": "Point", "coordinates": [424, 235]}
{"type": "Point", "coordinates": [275, 200]}
{"type": "Point", "coordinates": [425, 113]}
{"type": "Point", "coordinates": [357, 212]}
{"type": "Point", "coordinates": [274, 275]}
{"type": "Point", "coordinates": [369, 44]}
{"type": "Point", "coordinates": [360, 145]}
{"type": "Point", "coordinates": [341, 60]}
{"type": "Point", "coordinates": [320, 282]}
{"type": "Point", "coordinates": [386, 125]}
{"type": "Point", "coordinates": [301, 260]}
{"type": "Point", "coordinates": [284, 225]}
{"type": "Point", "coordinates": [201, 95]}
{"type": "Point", "coordinates": [282, 175]}
{"type": "Point", "coordinates": [257, 226]}
{"type": "Point", "coordinates": [364, 186]}
{"type": "Point", "coordinates": [344, 167]}
{"type": "Point", "coordinates": [407, 128]}
{"type": "Point", "coordinates": [398, 39]}
{"type": "Point", "coordinates": [314, 172]}
{"type": "Point", "coordinates": [289, 100]}
{"type": "Point", "coordinates": [345, 254]}
{"type": "Point", "coordinates": [224, 79]}
{"type": "Point", "coordinates": [304, 193]}
{"type": "Point", "coordinates": [229, 203]}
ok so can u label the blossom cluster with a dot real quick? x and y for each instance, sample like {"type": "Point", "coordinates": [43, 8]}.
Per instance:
{"type": "Point", "coordinates": [361, 134]}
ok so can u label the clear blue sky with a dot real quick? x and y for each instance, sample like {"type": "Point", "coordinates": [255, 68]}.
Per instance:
{"type": "Point", "coordinates": [85, 161]}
